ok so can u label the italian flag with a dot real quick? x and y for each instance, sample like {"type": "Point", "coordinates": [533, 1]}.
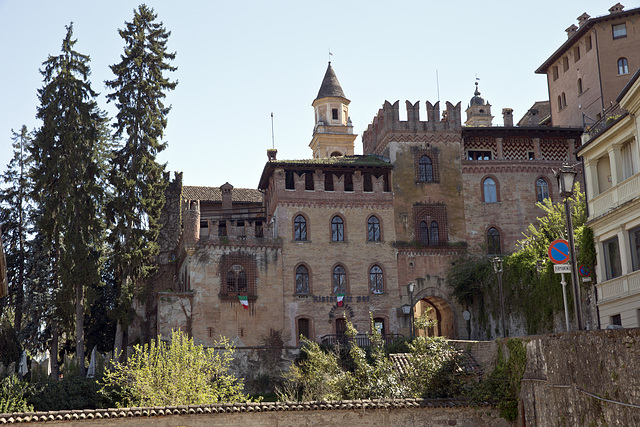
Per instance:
{"type": "Point", "coordinates": [340, 298]}
{"type": "Point", "coordinates": [245, 302]}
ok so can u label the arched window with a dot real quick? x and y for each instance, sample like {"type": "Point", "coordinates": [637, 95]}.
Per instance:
{"type": "Point", "coordinates": [542, 189]}
{"type": "Point", "coordinates": [231, 282]}
{"type": "Point", "coordinates": [302, 280]}
{"type": "Point", "coordinates": [376, 281]}
{"type": "Point", "coordinates": [339, 280]}
{"type": "Point", "coordinates": [579, 86]}
{"type": "Point", "coordinates": [424, 233]}
{"type": "Point", "coordinates": [300, 228]}
{"type": "Point", "coordinates": [379, 325]}
{"type": "Point", "coordinates": [493, 241]}
{"type": "Point", "coordinates": [564, 100]}
{"type": "Point", "coordinates": [490, 191]}
{"type": "Point", "coordinates": [337, 229]}
{"type": "Point", "coordinates": [559, 103]}
{"type": "Point", "coordinates": [304, 328]}
{"type": "Point", "coordinates": [425, 168]}
{"type": "Point", "coordinates": [236, 281]}
{"type": "Point", "coordinates": [623, 66]}
{"type": "Point", "coordinates": [434, 238]}
{"type": "Point", "coordinates": [242, 282]}
{"type": "Point", "coordinates": [373, 229]}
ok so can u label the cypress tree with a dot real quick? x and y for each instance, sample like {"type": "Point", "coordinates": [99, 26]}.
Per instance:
{"type": "Point", "coordinates": [66, 183]}
{"type": "Point", "coordinates": [139, 88]}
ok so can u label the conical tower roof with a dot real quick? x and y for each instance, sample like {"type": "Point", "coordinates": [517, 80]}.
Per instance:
{"type": "Point", "coordinates": [330, 85]}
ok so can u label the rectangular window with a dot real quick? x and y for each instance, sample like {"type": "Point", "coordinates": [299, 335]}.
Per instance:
{"type": "Point", "coordinates": [303, 328]}
{"type": "Point", "coordinates": [612, 258]}
{"type": "Point", "coordinates": [368, 183]}
{"type": "Point", "coordinates": [619, 31]}
{"type": "Point", "coordinates": [616, 319]}
{"type": "Point", "coordinates": [334, 114]}
{"type": "Point", "coordinates": [588, 43]}
{"type": "Point", "coordinates": [204, 223]}
{"type": "Point", "coordinates": [576, 54]}
{"type": "Point", "coordinates": [565, 63]}
{"type": "Point", "coordinates": [289, 180]}
{"type": "Point", "coordinates": [634, 240]}
{"type": "Point", "coordinates": [629, 162]}
{"type": "Point", "coordinates": [479, 155]}
{"type": "Point", "coordinates": [554, 70]}
{"type": "Point", "coordinates": [308, 181]}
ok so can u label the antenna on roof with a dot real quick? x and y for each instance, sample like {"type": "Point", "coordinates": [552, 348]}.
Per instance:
{"type": "Point", "coordinates": [330, 55]}
{"type": "Point", "coordinates": [273, 141]}
{"type": "Point", "coordinates": [438, 85]}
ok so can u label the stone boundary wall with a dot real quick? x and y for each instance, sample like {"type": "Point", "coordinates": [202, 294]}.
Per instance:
{"type": "Point", "coordinates": [402, 412]}
{"type": "Point", "coordinates": [589, 378]}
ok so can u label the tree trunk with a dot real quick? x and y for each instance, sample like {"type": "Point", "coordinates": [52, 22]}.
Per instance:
{"type": "Point", "coordinates": [53, 352]}
{"type": "Point", "coordinates": [80, 329]}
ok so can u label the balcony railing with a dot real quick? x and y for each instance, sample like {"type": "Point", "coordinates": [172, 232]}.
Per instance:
{"type": "Point", "coordinates": [619, 287]}
{"type": "Point", "coordinates": [615, 196]}
{"type": "Point", "coordinates": [362, 340]}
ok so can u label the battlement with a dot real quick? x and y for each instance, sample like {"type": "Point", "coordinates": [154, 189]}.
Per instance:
{"type": "Point", "coordinates": [388, 121]}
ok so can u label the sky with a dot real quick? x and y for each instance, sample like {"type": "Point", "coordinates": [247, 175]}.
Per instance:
{"type": "Point", "coordinates": [240, 61]}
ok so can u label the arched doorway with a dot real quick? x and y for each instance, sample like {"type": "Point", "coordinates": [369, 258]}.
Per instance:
{"type": "Point", "coordinates": [439, 310]}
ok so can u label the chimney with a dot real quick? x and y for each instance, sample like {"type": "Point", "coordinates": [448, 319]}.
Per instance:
{"type": "Point", "coordinates": [616, 8]}
{"type": "Point", "coordinates": [226, 189]}
{"type": "Point", "coordinates": [507, 115]}
{"type": "Point", "coordinates": [534, 120]}
{"type": "Point", "coordinates": [571, 30]}
{"type": "Point", "coordinates": [582, 19]}
{"type": "Point", "coordinates": [271, 154]}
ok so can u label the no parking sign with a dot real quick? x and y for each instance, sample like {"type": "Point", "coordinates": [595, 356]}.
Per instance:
{"type": "Point", "coordinates": [559, 251]}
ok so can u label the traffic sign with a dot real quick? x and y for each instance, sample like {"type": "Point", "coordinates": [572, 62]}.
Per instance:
{"type": "Point", "coordinates": [562, 268]}
{"type": "Point", "coordinates": [559, 251]}
{"type": "Point", "coordinates": [584, 271]}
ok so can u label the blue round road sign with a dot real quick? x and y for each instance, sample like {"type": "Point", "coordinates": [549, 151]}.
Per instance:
{"type": "Point", "coordinates": [559, 251]}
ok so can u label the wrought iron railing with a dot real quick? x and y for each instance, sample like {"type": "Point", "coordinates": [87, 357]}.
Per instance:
{"type": "Point", "coordinates": [609, 116]}
{"type": "Point", "coordinates": [362, 340]}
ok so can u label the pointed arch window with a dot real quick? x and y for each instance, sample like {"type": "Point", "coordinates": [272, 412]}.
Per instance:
{"type": "Point", "coordinates": [623, 66]}
{"type": "Point", "coordinates": [542, 189]}
{"type": "Point", "coordinates": [237, 281]}
{"type": "Point", "coordinates": [337, 229]}
{"type": "Point", "coordinates": [434, 238]}
{"type": "Point", "coordinates": [373, 229]}
{"type": "Point", "coordinates": [425, 168]}
{"type": "Point", "coordinates": [490, 190]}
{"type": "Point", "coordinates": [302, 280]}
{"type": "Point", "coordinates": [300, 228]}
{"type": "Point", "coordinates": [424, 233]}
{"type": "Point", "coordinates": [339, 280]}
{"type": "Point", "coordinates": [493, 241]}
{"type": "Point", "coordinates": [376, 280]}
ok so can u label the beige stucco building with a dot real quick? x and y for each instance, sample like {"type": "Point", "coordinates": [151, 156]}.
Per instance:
{"type": "Point", "coordinates": [589, 70]}
{"type": "Point", "coordinates": [611, 160]}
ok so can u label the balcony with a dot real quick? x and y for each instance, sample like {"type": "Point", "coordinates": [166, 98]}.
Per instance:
{"type": "Point", "coordinates": [620, 287]}
{"type": "Point", "coordinates": [615, 196]}
{"type": "Point", "coordinates": [362, 340]}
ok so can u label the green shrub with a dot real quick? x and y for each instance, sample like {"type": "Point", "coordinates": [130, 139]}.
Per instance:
{"type": "Point", "coordinates": [13, 395]}
{"type": "Point", "coordinates": [175, 373]}
{"type": "Point", "coordinates": [70, 392]}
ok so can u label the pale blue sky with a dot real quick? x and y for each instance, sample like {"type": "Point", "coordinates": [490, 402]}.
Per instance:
{"type": "Point", "coordinates": [238, 61]}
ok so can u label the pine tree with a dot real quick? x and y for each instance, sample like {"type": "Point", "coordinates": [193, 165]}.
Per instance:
{"type": "Point", "coordinates": [13, 217]}
{"type": "Point", "coordinates": [66, 182]}
{"type": "Point", "coordinates": [139, 88]}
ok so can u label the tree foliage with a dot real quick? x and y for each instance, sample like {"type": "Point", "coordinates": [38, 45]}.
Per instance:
{"type": "Point", "coordinates": [13, 395]}
{"type": "Point", "coordinates": [175, 373]}
{"type": "Point", "coordinates": [139, 88]}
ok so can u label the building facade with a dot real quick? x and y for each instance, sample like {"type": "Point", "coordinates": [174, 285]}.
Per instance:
{"type": "Point", "coordinates": [586, 73]}
{"type": "Point", "coordinates": [611, 158]}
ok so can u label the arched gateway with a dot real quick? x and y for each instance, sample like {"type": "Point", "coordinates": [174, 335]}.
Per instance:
{"type": "Point", "coordinates": [433, 301]}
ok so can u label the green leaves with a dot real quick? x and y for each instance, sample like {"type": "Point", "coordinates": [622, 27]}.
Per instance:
{"type": "Point", "coordinates": [175, 373]}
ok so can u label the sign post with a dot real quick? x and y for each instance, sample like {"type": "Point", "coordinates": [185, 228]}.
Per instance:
{"type": "Point", "coordinates": [559, 255]}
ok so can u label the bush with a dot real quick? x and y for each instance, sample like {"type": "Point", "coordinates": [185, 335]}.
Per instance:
{"type": "Point", "coordinates": [70, 392]}
{"type": "Point", "coordinates": [13, 395]}
{"type": "Point", "coordinates": [175, 373]}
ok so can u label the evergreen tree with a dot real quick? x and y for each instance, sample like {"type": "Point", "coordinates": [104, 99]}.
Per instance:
{"type": "Point", "coordinates": [139, 88]}
{"type": "Point", "coordinates": [14, 212]}
{"type": "Point", "coordinates": [66, 186]}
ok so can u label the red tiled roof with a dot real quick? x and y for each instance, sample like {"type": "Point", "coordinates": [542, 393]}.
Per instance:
{"type": "Point", "coordinates": [214, 194]}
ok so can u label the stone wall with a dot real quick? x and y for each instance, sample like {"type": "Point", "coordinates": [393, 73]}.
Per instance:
{"type": "Point", "coordinates": [582, 378]}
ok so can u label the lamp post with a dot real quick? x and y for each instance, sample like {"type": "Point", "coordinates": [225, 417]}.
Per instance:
{"type": "Point", "coordinates": [497, 267]}
{"type": "Point", "coordinates": [566, 177]}
{"type": "Point", "coordinates": [410, 287]}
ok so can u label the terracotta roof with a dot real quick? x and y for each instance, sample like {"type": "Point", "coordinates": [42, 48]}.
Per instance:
{"type": "Point", "coordinates": [544, 113]}
{"type": "Point", "coordinates": [330, 85]}
{"type": "Point", "coordinates": [467, 365]}
{"type": "Point", "coordinates": [214, 194]}
{"type": "Point", "coordinates": [584, 28]}
{"type": "Point", "coordinates": [347, 162]}
{"type": "Point", "coordinates": [160, 411]}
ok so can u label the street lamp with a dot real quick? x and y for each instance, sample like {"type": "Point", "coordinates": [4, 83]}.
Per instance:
{"type": "Point", "coordinates": [497, 267]}
{"type": "Point", "coordinates": [566, 177]}
{"type": "Point", "coordinates": [410, 287]}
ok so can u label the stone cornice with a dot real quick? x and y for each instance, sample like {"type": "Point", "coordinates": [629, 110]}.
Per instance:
{"type": "Point", "coordinates": [508, 166]}
{"type": "Point", "coordinates": [337, 205]}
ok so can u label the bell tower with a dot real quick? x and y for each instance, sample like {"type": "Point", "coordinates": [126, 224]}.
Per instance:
{"type": "Point", "coordinates": [333, 131]}
{"type": "Point", "coordinates": [479, 111]}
